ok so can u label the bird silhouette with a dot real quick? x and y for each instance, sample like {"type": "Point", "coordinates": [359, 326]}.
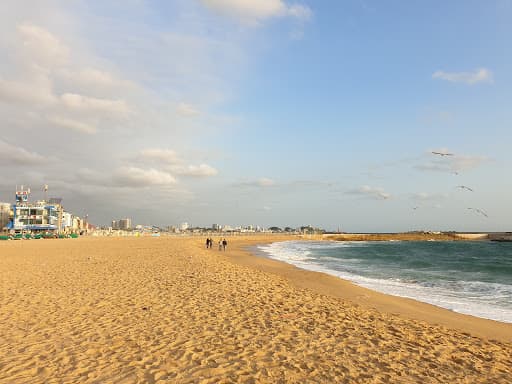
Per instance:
{"type": "Point", "coordinates": [442, 153]}
{"type": "Point", "coordinates": [479, 211]}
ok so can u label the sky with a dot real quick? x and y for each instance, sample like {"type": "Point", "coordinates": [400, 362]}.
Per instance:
{"type": "Point", "coordinates": [262, 112]}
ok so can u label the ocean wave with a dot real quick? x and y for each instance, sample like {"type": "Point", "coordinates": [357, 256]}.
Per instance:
{"type": "Point", "coordinates": [478, 298]}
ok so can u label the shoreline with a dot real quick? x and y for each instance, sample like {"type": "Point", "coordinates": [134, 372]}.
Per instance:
{"type": "Point", "coordinates": [408, 308]}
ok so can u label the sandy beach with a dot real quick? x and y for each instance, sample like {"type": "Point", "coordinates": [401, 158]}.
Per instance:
{"type": "Point", "coordinates": [167, 310]}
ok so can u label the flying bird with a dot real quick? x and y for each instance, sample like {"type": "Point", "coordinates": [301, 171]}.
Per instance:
{"type": "Point", "coordinates": [479, 211]}
{"type": "Point", "coordinates": [464, 187]}
{"type": "Point", "coordinates": [442, 153]}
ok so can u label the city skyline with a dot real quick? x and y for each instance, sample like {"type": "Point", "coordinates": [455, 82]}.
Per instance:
{"type": "Point", "coordinates": [356, 115]}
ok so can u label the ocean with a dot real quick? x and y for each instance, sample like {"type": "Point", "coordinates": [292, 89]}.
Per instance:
{"type": "Point", "coordinates": [470, 277]}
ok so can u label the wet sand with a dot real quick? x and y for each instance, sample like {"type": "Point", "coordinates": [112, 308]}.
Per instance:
{"type": "Point", "coordinates": [166, 310]}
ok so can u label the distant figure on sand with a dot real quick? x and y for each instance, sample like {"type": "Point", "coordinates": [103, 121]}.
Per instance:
{"type": "Point", "coordinates": [208, 243]}
{"type": "Point", "coordinates": [224, 244]}
{"type": "Point", "coordinates": [220, 245]}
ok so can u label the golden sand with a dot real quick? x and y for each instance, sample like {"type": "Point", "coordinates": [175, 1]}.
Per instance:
{"type": "Point", "coordinates": [166, 310]}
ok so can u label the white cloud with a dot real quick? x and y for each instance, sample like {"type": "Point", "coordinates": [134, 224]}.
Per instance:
{"type": "Point", "coordinates": [77, 126]}
{"type": "Point", "coordinates": [92, 104]}
{"type": "Point", "coordinates": [464, 163]}
{"type": "Point", "coordinates": [166, 156]}
{"type": "Point", "coordinates": [187, 110]}
{"type": "Point", "coordinates": [453, 164]}
{"type": "Point", "coordinates": [310, 184]}
{"type": "Point", "coordinates": [300, 12]}
{"type": "Point", "coordinates": [265, 182]}
{"type": "Point", "coordinates": [370, 192]}
{"type": "Point", "coordinates": [126, 176]}
{"type": "Point", "coordinates": [137, 177]}
{"type": "Point", "coordinates": [42, 46]}
{"type": "Point", "coordinates": [92, 78]}
{"type": "Point", "coordinates": [13, 155]}
{"type": "Point", "coordinates": [171, 162]}
{"type": "Point", "coordinates": [262, 182]}
{"type": "Point", "coordinates": [92, 75]}
{"type": "Point", "coordinates": [253, 11]}
{"type": "Point", "coordinates": [202, 170]}
{"type": "Point", "coordinates": [41, 63]}
{"type": "Point", "coordinates": [481, 75]}
{"type": "Point", "coordinates": [13, 92]}
{"type": "Point", "coordinates": [67, 69]}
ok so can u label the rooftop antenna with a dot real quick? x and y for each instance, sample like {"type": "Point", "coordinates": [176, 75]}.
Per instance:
{"type": "Point", "coordinates": [45, 189]}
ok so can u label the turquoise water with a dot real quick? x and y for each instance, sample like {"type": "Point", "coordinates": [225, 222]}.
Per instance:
{"type": "Point", "coordinates": [471, 277]}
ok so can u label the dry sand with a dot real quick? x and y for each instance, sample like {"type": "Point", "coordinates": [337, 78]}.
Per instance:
{"type": "Point", "coordinates": [166, 310]}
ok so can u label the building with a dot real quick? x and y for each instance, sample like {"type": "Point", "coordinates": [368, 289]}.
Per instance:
{"type": "Point", "coordinates": [122, 224]}
{"type": "Point", "coordinates": [41, 216]}
{"type": "Point", "coordinates": [67, 222]}
{"type": "Point", "coordinates": [183, 226]}
{"type": "Point", "coordinates": [172, 229]}
{"type": "Point", "coordinates": [78, 225]}
{"type": "Point", "coordinates": [5, 215]}
{"type": "Point", "coordinates": [37, 217]}
{"type": "Point", "coordinates": [125, 224]}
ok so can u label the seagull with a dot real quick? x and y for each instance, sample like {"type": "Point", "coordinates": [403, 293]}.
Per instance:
{"type": "Point", "coordinates": [442, 153]}
{"type": "Point", "coordinates": [464, 187]}
{"type": "Point", "coordinates": [479, 211]}
{"type": "Point", "coordinates": [415, 208]}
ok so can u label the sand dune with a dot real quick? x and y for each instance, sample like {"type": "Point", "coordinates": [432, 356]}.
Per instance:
{"type": "Point", "coordinates": [166, 310]}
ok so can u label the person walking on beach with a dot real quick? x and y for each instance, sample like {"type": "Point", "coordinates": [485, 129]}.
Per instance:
{"type": "Point", "coordinates": [207, 243]}
{"type": "Point", "coordinates": [224, 244]}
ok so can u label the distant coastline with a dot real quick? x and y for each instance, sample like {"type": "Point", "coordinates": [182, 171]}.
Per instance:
{"type": "Point", "coordinates": [418, 236]}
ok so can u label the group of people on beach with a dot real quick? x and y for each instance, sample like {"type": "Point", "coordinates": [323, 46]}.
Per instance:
{"type": "Point", "coordinates": [222, 244]}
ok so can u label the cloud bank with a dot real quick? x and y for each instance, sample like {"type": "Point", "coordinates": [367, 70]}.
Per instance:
{"type": "Point", "coordinates": [481, 75]}
{"type": "Point", "coordinates": [369, 192]}
{"type": "Point", "coordinates": [14, 155]}
{"type": "Point", "coordinates": [255, 11]}
{"type": "Point", "coordinates": [453, 164]}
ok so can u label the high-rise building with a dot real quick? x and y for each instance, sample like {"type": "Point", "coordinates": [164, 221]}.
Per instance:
{"type": "Point", "coordinates": [125, 223]}
{"type": "Point", "coordinates": [183, 226]}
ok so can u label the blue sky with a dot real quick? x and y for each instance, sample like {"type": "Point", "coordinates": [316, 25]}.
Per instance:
{"type": "Point", "coordinates": [264, 112]}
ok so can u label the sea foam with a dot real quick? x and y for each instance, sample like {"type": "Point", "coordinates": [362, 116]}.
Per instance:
{"type": "Point", "coordinates": [353, 261]}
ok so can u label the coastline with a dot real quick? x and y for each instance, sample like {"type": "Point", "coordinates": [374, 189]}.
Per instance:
{"type": "Point", "coordinates": [334, 286]}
